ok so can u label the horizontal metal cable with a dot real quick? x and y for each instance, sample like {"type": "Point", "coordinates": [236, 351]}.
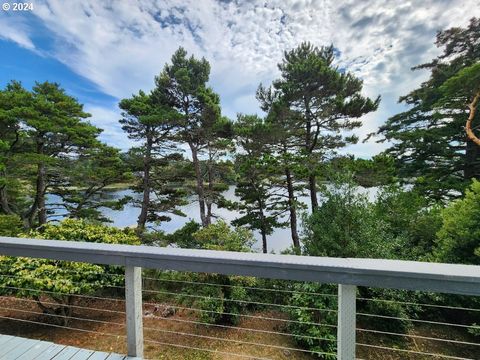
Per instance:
{"type": "Point", "coordinates": [63, 316]}
{"type": "Point", "coordinates": [238, 301]}
{"type": "Point", "coordinates": [242, 286]}
{"type": "Point", "coordinates": [237, 328]}
{"type": "Point", "coordinates": [245, 315]}
{"type": "Point", "coordinates": [52, 303]}
{"type": "Point", "coordinates": [420, 304]}
{"type": "Point", "coordinates": [414, 352]}
{"type": "Point", "coordinates": [61, 326]}
{"type": "Point", "coordinates": [236, 341]}
{"type": "Point", "coordinates": [66, 281]}
{"type": "Point", "coordinates": [174, 319]}
{"type": "Point", "coordinates": [174, 306]}
{"type": "Point", "coordinates": [62, 293]}
{"type": "Point", "coordinates": [418, 320]}
{"type": "Point", "coordinates": [207, 350]}
{"type": "Point", "coordinates": [208, 297]}
{"type": "Point", "coordinates": [419, 337]}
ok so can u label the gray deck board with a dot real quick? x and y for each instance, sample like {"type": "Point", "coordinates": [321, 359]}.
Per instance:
{"type": "Point", "coordinates": [66, 353]}
{"type": "Point", "coordinates": [99, 355]}
{"type": "Point", "coordinates": [83, 354]}
{"type": "Point", "coordinates": [10, 345]}
{"type": "Point", "coordinates": [42, 351]}
{"type": "Point", "coordinates": [18, 348]}
{"type": "Point", "coordinates": [116, 357]}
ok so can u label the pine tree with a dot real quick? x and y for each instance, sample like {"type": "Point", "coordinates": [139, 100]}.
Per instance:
{"type": "Point", "coordinates": [329, 101]}
{"type": "Point", "coordinates": [429, 140]}
{"type": "Point", "coordinates": [152, 124]}
{"type": "Point", "coordinates": [183, 86]}
{"type": "Point", "coordinates": [260, 204]}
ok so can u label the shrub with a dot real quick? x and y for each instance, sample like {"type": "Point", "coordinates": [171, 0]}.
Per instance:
{"type": "Point", "coordinates": [458, 240]}
{"type": "Point", "coordinates": [226, 298]}
{"type": "Point", "coordinates": [61, 280]}
{"type": "Point", "coordinates": [10, 225]}
{"type": "Point", "coordinates": [345, 225]}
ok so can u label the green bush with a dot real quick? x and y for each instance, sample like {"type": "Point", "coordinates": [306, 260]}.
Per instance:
{"type": "Point", "coordinates": [459, 237]}
{"type": "Point", "coordinates": [10, 225]}
{"type": "Point", "coordinates": [305, 328]}
{"type": "Point", "coordinates": [226, 298]}
{"type": "Point", "coordinates": [57, 280]}
{"type": "Point", "coordinates": [346, 224]}
{"type": "Point", "coordinates": [408, 216]}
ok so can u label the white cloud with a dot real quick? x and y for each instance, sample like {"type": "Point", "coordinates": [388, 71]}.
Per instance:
{"type": "Point", "coordinates": [121, 46]}
{"type": "Point", "coordinates": [14, 29]}
{"type": "Point", "coordinates": [107, 119]}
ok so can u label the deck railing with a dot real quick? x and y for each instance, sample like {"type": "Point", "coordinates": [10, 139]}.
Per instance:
{"type": "Point", "coordinates": [346, 272]}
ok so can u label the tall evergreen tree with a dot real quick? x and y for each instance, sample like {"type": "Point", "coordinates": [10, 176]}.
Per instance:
{"type": "Point", "coordinates": [428, 141]}
{"type": "Point", "coordinates": [260, 203]}
{"type": "Point", "coordinates": [153, 125]}
{"type": "Point", "coordinates": [12, 100]}
{"type": "Point", "coordinates": [51, 128]}
{"type": "Point", "coordinates": [286, 161]}
{"type": "Point", "coordinates": [328, 99]}
{"type": "Point", "coordinates": [183, 86]}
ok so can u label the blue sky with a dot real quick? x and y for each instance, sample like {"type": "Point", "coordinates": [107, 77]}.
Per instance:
{"type": "Point", "coordinates": [102, 51]}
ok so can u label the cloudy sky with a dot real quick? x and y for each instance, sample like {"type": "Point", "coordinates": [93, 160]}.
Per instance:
{"type": "Point", "coordinates": [102, 51]}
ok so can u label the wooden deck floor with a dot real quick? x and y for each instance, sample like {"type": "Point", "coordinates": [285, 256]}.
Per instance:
{"type": "Point", "coordinates": [17, 348]}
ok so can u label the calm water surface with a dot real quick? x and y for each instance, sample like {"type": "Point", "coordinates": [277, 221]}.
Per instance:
{"type": "Point", "coordinates": [278, 241]}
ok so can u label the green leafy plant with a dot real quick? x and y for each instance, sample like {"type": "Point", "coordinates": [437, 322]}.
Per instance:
{"type": "Point", "coordinates": [53, 284]}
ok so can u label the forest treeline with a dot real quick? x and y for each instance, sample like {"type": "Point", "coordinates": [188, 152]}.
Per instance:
{"type": "Point", "coordinates": [188, 151]}
{"type": "Point", "coordinates": [428, 198]}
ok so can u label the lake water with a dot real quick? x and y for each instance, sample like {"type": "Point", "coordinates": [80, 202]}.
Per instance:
{"type": "Point", "coordinates": [278, 241]}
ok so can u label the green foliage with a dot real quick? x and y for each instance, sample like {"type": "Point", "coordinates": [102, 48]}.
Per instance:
{"type": "Point", "coordinates": [223, 301]}
{"type": "Point", "coordinates": [463, 85]}
{"type": "Point", "coordinates": [308, 323]}
{"type": "Point", "coordinates": [219, 236]}
{"type": "Point", "coordinates": [259, 206]}
{"type": "Point", "coordinates": [46, 127]}
{"type": "Point", "coordinates": [428, 140]}
{"type": "Point", "coordinates": [378, 171]}
{"type": "Point", "coordinates": [152, 125]}
{"type": "Point", "coordinates": [408, 216]}
{"type": "Point", "coordinates": [184, 237]}
{"type": "Point", "coordinates": [10, 225]}
{"type": "Point", "coordinates": [459, 236]}
{"type": "Point", "coordinates": [345, 225]}
{"type": "Point", "coordinates": [83, 189]}
{"type": "Point", "coordinates": [327, 99]}
{"type": "Point", "coordinates": [59, 280]}
{"type": "Point", "coordinates": [182, 85]}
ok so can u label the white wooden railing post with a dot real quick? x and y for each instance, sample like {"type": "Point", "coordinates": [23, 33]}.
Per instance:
{"type": "Point", "coordinates": [133, 304]}
{"type": "Point", "coordinates": [346, 322]}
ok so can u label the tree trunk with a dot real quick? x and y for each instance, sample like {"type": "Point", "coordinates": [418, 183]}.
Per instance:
{"type": "Point", "coordinates": [142, 218]}
{"type": "Point", "coordinates": [472, 152]}
{"type": "Point", "coordinates": [199, 187]}
{"type": "Point", "coordinates": [263, 230]}
{"type": "Point", "coordinates": [292, 209]}
{"type": "Point", "coordinates": [208, 198]}
{"type": "Point", "coordinates": [312, 183]}
{"type": "Point", "coordinates": [4, 201]}
{"type": "Point", "coordinates": [264, 240]}
{"type": "Point", "coordinates": [472, 161]}
{"type": "Point", "coordinates": [40, 190]}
